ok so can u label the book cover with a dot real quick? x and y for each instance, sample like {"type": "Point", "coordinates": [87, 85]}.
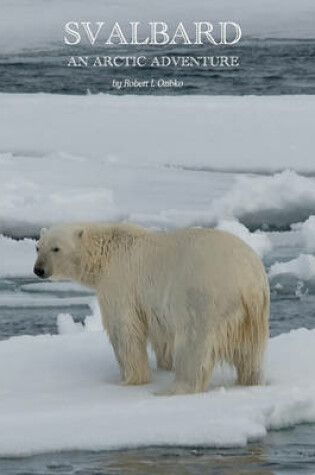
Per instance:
{"type": "Point", "coordinates": [176, 139]}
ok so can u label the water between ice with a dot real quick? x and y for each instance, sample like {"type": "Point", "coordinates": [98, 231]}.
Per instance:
{"type": "Point", "coordinates": [285, 452]}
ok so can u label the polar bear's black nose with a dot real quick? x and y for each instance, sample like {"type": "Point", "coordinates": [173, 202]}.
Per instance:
{"type": "Point", "coordinates": [39, 271]}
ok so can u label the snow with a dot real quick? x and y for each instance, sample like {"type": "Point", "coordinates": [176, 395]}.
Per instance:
{"type": "Point", "coordinates": [63, 393]}
{"type": "Point", "coordinates": [16, 257]}
{"type": "Point", "coordinates": [91, 127]}
{"type": "Point", "coordinates": [20, 28]}
{"type": "Point", "coordinates": [63, 166]}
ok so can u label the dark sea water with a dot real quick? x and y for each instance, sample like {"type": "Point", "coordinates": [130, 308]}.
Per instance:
{"type": "Point", "coordinates": [290, 452]}
{"type": "Point", "coordinates": [289, 310]}
{"type": "Point", "coordinates": [266, 67]}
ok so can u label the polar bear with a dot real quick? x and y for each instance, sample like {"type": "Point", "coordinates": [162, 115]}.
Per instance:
{"type": "Point", "coordinates": [199, 296]}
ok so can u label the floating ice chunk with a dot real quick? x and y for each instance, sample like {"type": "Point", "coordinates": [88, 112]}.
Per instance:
{"type": "Point", "coordinates": [63, 393]}
{"type": "Point", "coordinates": [278, 286]}
{"type": "Point", "coordinates": [302, 267]}
{"type": "Point", "coordinates": [92, 323]}
{"type": "Point", "coordinates": [268, 201]}
{"type": "Point", "coordinates": [66, 324]}
{"type": "Point", "coordinates": [306, 232]}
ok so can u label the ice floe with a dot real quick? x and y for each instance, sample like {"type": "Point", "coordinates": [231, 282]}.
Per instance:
{"type": "Point", "coordinates": [63, 393]}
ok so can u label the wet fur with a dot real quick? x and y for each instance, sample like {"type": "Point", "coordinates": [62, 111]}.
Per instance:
{"type": "Point", "coordinates": [200, 297]}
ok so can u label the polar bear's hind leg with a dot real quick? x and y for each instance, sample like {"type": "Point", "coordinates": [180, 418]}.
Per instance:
{"type": "Point", "coordinates": [194, 363]}
{"type": "Point", "coordinates": [252, 336]}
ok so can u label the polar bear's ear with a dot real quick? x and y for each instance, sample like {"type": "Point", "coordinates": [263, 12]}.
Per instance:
{"type": "Point", "coordinates": [42, 232]}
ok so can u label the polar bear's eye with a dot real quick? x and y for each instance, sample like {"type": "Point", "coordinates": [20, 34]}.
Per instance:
{"type": "Point", "coordinates": [37, 249]}
{"type": "Point", "coordinates": [55, 249]}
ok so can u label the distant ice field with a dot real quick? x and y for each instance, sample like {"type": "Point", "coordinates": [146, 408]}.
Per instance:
{"type": "Point", "coordinates": [161, 162]}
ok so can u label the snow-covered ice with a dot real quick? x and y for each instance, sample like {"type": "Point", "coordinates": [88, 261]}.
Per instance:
{"type": "Point", "coordinates": [277, 200]}
{"type": "Point", "coordinates": [16, 257]}
{"type": "Point", "coordinates": [265, 133]}
{"type": "Point", "coordinates": [302, 267]}
{"type": "Point", "coordinates": [63, 393]}
{"type": "Point", "coordinates": [61, 165]}
{"type": "Point", "coordinates": [306, 232]}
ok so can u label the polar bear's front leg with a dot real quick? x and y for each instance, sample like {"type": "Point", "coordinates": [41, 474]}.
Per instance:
{"type": "Point", "coordinates": [129, 340]}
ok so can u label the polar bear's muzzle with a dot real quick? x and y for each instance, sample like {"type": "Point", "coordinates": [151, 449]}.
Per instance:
{"type": "Point", "coordinates": [40, 272]}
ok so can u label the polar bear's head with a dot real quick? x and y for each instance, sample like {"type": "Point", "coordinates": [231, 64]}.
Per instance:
{"type": "Point", "coordinates": [57, 252]}
{"type": "Point", "coordinates": [82, 251]}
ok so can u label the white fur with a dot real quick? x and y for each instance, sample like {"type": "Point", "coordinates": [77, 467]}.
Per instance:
{"type": "Point", "coordinates": [199, 296]}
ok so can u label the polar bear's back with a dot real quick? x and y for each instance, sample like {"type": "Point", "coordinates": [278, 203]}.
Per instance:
{"type": "Point", "coordinates": [215, 253]}
{"type": "Point", "coordinates": [207, 263]}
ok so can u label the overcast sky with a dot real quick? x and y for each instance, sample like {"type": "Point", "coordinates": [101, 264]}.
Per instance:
{"type": "Point", "coordinates": [40, 23]}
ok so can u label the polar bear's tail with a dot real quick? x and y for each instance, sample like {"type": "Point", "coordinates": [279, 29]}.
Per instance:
{"type": "Point", "coordinates": [242, 340]}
